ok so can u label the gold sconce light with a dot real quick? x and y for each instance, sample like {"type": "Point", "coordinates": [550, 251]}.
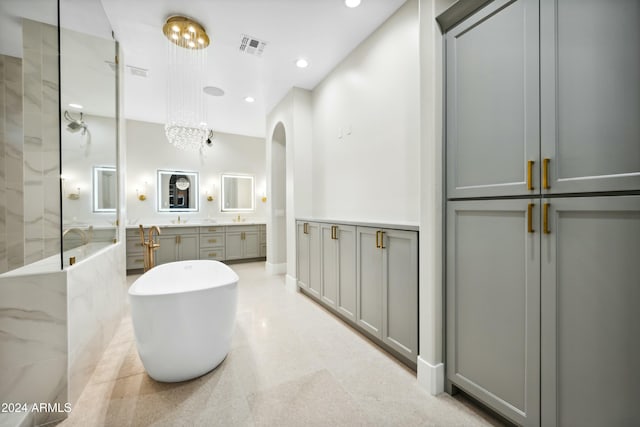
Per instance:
{"type": "Point", "coordinates": [264, 198]}
{"type": "Point", "coordinates": [210, 194]}
{"type": "Point", "coordinates": [140, 194]}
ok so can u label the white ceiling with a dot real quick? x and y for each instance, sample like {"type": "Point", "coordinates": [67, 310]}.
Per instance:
{"type": "Point", "coordinates": [321, 31]}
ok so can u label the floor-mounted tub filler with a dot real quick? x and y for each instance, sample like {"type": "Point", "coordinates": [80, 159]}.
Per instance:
{"type": "Point", "coordinates": [183, 317]}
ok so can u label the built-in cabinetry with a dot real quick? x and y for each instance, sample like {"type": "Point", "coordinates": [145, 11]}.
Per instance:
{"type": "Point", "coordinates": [543, 211]}
{"type": "Point", "coordinates": [367, 275]}
{"type": "Point", "coordinates": [220, 242]}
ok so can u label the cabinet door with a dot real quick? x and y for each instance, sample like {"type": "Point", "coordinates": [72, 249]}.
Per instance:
{"type": "Point", "coordinates": [492, 94]}
{"type": "Point", "coordinates": [315, 259]}
{"type": "Point", "coordinates": [400, 291]}
{"type": "Point", "coordinates": [590, 94]}
{"type": "Point", "coordinates": [251, 244]}
{"type": "Point", "coordinates": [493, 304]}
{"type": "Point", "coordinates": [369, 276]}
{"type": "Point", "coordinates": [189, 247]}
{"type": "Point", "coordinates": [329, 249]}
{"type": "Point", "coordinates": [168, 250]}
{"type": "Point", "coordinates": [302, 255]}
{"type": "Point", "coordinates": [233, 245]}
{"type": "Point", "coordinates": [346, 302]}
{"type": "Point", "coordinates": [590, 315]}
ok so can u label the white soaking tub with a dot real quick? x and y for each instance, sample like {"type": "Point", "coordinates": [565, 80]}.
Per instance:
{"type": "Point", "coordinates": [183, 316]}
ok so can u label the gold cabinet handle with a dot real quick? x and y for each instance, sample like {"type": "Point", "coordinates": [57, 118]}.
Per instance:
{"type": "Point", "coordinates": [177, 239]}
{"type": "Point", "coordinates": [213, 254]}
{"type": "Point", "coordinates": [545, 218]}
{"type": "Point", "coordinates": [213, 240]}
{"type": "Point", "coordinates": [530, 175]}
{"type": "Point", "coordinates": [377, 239]}
{"type": "Point", "coordinates": [545, 174]}
{"type": "Point", "coordinates": [212, 229]}
{"type": "Point", "coordinates": [382, 246]}
{"type": "Point", "coordinates": [136, 261]}
{"type": "Point", "coordinates": [334, 232]}
{"type": "Point", "coordinates": [304, 228]}
{"type": "Point", "coordinates": [530, 217]}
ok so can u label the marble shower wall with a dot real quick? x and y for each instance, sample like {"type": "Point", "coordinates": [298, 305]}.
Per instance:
{"type": "Point", "coordinates": [41, 151]}
{"type": "Point", "coordinates": [11, 164]}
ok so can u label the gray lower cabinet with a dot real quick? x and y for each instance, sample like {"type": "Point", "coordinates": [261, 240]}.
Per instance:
{"type": "Point", "coordinates": [387, 287]}
{"type": "Point", "coordinates": [178, 244]}
{"type": "Point", "coordinates": [338, 274]}
{"type": "Point", "coordinates": [309, 270]}
{"type": "Point", "coordinates": [590, 312]}
{"type": "Point", "coordinates": [242, 241]}
{"type": "Point", "coordinates": [302, 255]}
{"type": "Point", "coordinates": [493, 304]}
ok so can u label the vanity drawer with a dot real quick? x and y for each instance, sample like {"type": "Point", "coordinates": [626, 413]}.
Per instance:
{"type": "Point", "coordinates": [135, 262]}
{"type": "Point", "coordinates": [215, 254]}
{"type": "Point", "coordinates": [245, 228]}
{"type": "Point", "coordinates": [134, 246]}
{"type": "Point", "coordinates": [174, 231]}
{"type": "Point", "coordinates": [211, 240]}
{"type": "Point", "coordinates": [212, 229]}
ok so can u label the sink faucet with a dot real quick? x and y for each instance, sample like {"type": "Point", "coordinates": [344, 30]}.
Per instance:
{"type": "Point", "coordinates": [238, 218]}
{"type": "Point", "coordinates": [178, 219]}
{"type": "Point", "coordinates": [149, 246]}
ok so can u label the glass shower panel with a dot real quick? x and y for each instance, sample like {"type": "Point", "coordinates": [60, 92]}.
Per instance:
{"type": "Point", "coordinates": [88, 129]}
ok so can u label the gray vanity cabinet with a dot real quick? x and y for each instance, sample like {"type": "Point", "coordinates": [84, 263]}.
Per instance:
{"type": "Point", "coordinates": [339, 268]}
{"type": "Point", "coordinates": [242, 241]}
{"type": "Point", "coordinates": [309, 262]}
{"type": "Point", "coordinates": [492, 94]}
{"type": "Point", "coordinates": [493, 304]}
{"type": "Point", "coordinates": [178, 244]}
{"type": "Point", "coordinates": [387, 289]}
{"type": "Point", "coordinates": [590, 314]}
{"type": "Point", "coordinates": [590, 94]}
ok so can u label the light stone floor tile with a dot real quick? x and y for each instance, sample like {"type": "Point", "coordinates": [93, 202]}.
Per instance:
{"type": "Point", "coordinates": [292, 363]}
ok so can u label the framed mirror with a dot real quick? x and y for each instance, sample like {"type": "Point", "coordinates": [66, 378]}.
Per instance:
{"type": "Point", "coordinates": [237, 193]}
{"type": "Point", "coordinates": [104, 189]}
{"type": "Point", "coordinates": [177, 191]}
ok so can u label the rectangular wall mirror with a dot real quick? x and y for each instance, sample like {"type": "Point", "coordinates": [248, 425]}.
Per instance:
{"type": "Point", "coordinates": [104, 189]}
{"type": "Point", "coordinates": [237, 193]}
{"type": "Point", "coordinates": [177, 191]}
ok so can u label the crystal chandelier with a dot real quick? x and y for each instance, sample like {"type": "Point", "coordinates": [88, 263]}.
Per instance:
{"type": "Point", "coordinates": [186, 127]}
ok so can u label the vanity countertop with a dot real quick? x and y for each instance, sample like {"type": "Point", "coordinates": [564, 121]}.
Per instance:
{"type": "Point", "coordinates": [196, 223]}
{"type": "Point", "coordinates": [409, 226]}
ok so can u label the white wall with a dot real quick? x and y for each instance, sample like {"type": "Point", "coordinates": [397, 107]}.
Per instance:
{"type": "Point", "coordinates": [148, 150]}
{"type": "Point", "coordinates": [372, 98]}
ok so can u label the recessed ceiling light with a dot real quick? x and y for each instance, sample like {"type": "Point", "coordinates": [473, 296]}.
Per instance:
{"type": "Point", "coordinates": [352, 3]}
{"type": "Point", "coordinates": [213, 91]}
{"type": "Point", "coordinates": [78, 106]}
{"type": "Point", "coordinates": [249, 99]}
{"type": "Point", "coordinates": [302, 63]}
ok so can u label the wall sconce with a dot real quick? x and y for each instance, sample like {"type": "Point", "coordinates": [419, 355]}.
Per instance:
{"type": "Point", "coordinates": [74, 196]}
{"type": "Point", "coordinates": [141, 194]}
{"type": "Point", "coordinates": [210, 195]}
{"type": "Point", "coordinates": [264, 198]}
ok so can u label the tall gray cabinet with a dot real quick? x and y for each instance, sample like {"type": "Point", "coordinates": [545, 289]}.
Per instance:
{"type": "Point", "coordinates": [543, 210]}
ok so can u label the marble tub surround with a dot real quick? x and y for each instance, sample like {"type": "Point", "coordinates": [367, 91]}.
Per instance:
{"type": "Point", "coordinates": [54, 327]}
{"type": "Point", "coordinates": [11, 164]}
{"type": "Point", "coordinates": [291, 363]}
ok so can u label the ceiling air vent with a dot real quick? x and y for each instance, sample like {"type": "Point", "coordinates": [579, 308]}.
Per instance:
{"type": "Point", "coordinates": [252, 45]}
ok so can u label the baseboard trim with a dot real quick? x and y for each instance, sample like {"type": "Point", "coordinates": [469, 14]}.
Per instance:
{"type": "Point", "coordinates": [431, 377]}
{"type": "Point", "coordinates": [291, 283]}
{"type": "Point", "coordinates": [275, 269]}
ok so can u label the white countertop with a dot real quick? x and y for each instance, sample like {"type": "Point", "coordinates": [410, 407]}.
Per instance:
{"type": "Point", "coordinates": [401, 225]}
{"type": "Point", "coordinates": [198, 223]}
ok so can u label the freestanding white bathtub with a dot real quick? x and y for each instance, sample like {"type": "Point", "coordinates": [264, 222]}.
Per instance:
{"type": "Point", "coordinates": [183, 317]}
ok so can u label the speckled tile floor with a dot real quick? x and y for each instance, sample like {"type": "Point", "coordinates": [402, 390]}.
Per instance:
{"type": "Point", "coordinates": [291, 364]}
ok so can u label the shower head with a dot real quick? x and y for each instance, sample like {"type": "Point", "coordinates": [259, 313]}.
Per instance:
{"type": "Point", "coordinates": [75, 125]}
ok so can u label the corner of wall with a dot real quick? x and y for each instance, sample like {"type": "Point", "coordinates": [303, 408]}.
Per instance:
{"type": "Point", "coordinates": [431, 377]}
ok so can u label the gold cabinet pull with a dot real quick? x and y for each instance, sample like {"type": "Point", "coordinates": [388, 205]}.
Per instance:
{"type": "Point", "coordinates": [213, 240]}
{"type": "Point", "coordinates": [382, 246]}
{"type": "Point", "coordinates": [545, 218]}
{"type": "Point", "coordinates": [304, 228]}
{"type": "Point", "coordinates": [137, 261]}
{"type": "Point", "coordinates": [377, 239]}
{"type": "Point", "coordinates": [212, 229]}
{"type": "Point", "coordinates": [545, 174]}
{"type": "Point", "coordinates": [213, 254]}
{"type": "Point", "coordinates": [530, 217]}
{"type": "Point", "coordinates": [530, 175]}
{"type": "Point", "coordinates": [177, 239]}
{"type": "Point", "coordinates": [334, 232]}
